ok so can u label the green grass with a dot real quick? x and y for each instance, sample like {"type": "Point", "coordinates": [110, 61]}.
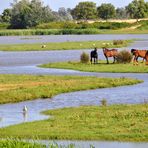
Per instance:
{"type": "Point", "coordinates": [15, 88]}
{"type": "Point", "coordinates": [26, 32]}
{"type": "Point", "coordinates": [101, 67]}
{"type": "Point", "coordinates": [16, 143]}
{"type": "Point", "coordinates": [116, 122]}
{"type": "Point", "coordinates": [62, 46]}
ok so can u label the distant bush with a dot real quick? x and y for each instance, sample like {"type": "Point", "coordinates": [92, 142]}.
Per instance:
{"type": "Point", "coordinates": [4, 25]}
{"type": "Point", "coordinates": [69, 25]}
{"type": "Point", "coordinates": [84, 58]}
{"type": "Point", "coordinates": [80, 31]}
{"type": "Point", "coordinates": [124, 56]}
{"type": "Point", "coordinates": [82, 25]}
{"type": "Point", "coordinates": [47, 31]}
{"type": "Point", "coordinates": [118, 42]}
{"type": "Point", "coordinates": [110, 25]}
{"type": "Point", "coordinates": [52, 25]}
{"type": "Point", "coordinates": [103, 102]}
{"type": "Point", "coordinates": [58, 25]}
{"type": "Point", "coordinates": [144, 25]}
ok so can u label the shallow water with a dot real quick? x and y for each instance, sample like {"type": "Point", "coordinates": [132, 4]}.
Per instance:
{"type": "Point", "coordinates": [33, 58]}
{"type": "Point", "coordinates": [67, 38]}
{"type": "Point", "coordinates": [97, 144]}
{"type": "Point", "coordinates": [25, 63]}
{"type": "Point", "coordinates": [12, 113]}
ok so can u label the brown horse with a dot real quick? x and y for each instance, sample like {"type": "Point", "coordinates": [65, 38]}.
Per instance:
{"type": "Point", "coordinates": [138, 53]}
{"type": "Point", "coordinates": [146, 57]}
{"type": "Point", "coordinates": [110, 53]}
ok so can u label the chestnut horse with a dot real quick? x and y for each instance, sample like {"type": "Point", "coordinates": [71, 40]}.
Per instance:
{"type": "Point", "coordinates": [146, 57]}
{"type": "Point", "coordinates": [110, 53]}
{"type": "Point", "coordinates": [138, 53]}
{"type": "Point", "coordinates": [94, 55]}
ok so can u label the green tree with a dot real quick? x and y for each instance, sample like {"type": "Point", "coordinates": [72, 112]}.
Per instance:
{"type": "Point", "coordinates": [26, 13]}
{"type": "Point", "coordinates": [64, 14]}
{"type": "Point", "coordinates": [121, 13]}
{"type": "Point", "coordinates": [20, 14]}
{"type": "Point", "coordinates": [146, 5]}
{"type": "Point", "coordinates": [106, 11]}
{"type": "Point", "coordinates": [6, 15]}
{"type": "Point", "coordinates": [1, 19]}
{"type": "Point", "coordinates": [137, 9]}
{"type": "Point", "coordinates": [85, 10]}
{"type": "Point", "coordinates": [40, 13]}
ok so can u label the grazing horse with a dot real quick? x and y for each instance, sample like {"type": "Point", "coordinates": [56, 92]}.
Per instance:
{"type": "Point", "coordinates": [110, 53]}
{"type": "Point", "coordinates": [94, 55]}
{"type": "Point", "coordinates": [146, 57]}
{"type": "Point", "coordinates": [138, 53]}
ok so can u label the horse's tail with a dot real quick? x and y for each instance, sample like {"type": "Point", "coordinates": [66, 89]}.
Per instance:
{"type": "Point", "coordinates": [146, 57]}
{"type": "Point", "coordinates": [146, 54]}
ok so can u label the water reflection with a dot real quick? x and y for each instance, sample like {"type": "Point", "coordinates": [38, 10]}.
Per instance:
{"type": "Point", "coordinates": [25, 116]}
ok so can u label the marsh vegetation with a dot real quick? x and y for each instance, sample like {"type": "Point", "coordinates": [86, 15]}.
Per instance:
{"type": "Point", "coordinates": [115, 122]}
{"type": "Point", "coordinates": [16, 88]}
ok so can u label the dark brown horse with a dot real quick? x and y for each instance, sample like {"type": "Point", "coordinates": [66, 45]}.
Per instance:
{"type": "Point", "coordinates": [138, 53]}
{"type": "Point", "coordinates": [94, 56]}
{"type": "Point", "coordinates": [110, 53]}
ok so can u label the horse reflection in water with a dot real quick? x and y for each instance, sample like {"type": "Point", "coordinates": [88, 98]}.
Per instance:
{"type": "Point", "coordinates": [138, 53]}
{"type": "Point", "coordinates": [25, 113]}
{"type": "Point", "coordinates": [110, 53]}
{"type": "Point", "coordinates": [94, 56]}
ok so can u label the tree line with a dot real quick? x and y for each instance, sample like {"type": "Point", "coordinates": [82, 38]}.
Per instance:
{"type": "Point", "coordinates": [30, 13]}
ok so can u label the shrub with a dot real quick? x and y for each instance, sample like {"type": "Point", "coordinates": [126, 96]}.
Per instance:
{"type": "Point", "coordinates": [4, 25]}
{"type": "Point", "coordinates": [144, 25]}
{"type": "Point", "coordinates": [84, 58]}
{"type": "Point", "coordinates": [118, 42]}
{"type": "Point", "coordinates": [103, 102]}
{"type": "Point", "coordinates": [124, 56]}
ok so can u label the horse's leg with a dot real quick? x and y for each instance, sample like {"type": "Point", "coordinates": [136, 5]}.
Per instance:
{"type": "Point", "coordinates": [107, 59]}
{"type": "Point", "coordinates": [94, 60]}
{"type": "Point", "coordinates": [143, 60]}
{"type": "Point", "coordinates": [134, 61]}
{"type": "Point", "coordinates": [137, 60]}
{"type": "Point", "coordinates": [91, 60]}
{"type": "Point", "coordinates": [114, 59]}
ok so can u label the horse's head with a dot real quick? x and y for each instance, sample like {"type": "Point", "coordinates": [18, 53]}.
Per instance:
{"type": "Point", "coordinates": [104, 49]}
{"type": "Point", "coordinates": [95, 49]}
{"type": "Point", "coordinates": [133, 51]}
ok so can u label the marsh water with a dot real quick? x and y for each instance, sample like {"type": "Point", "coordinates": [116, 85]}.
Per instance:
{"type": "Point", "coordinates": [26, 63]}
{"type": "Point", "coordinates": [67, 38]}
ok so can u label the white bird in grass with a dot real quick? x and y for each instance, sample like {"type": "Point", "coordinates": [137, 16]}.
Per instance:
{"type": "Point", "coordinates": [43, 46]}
